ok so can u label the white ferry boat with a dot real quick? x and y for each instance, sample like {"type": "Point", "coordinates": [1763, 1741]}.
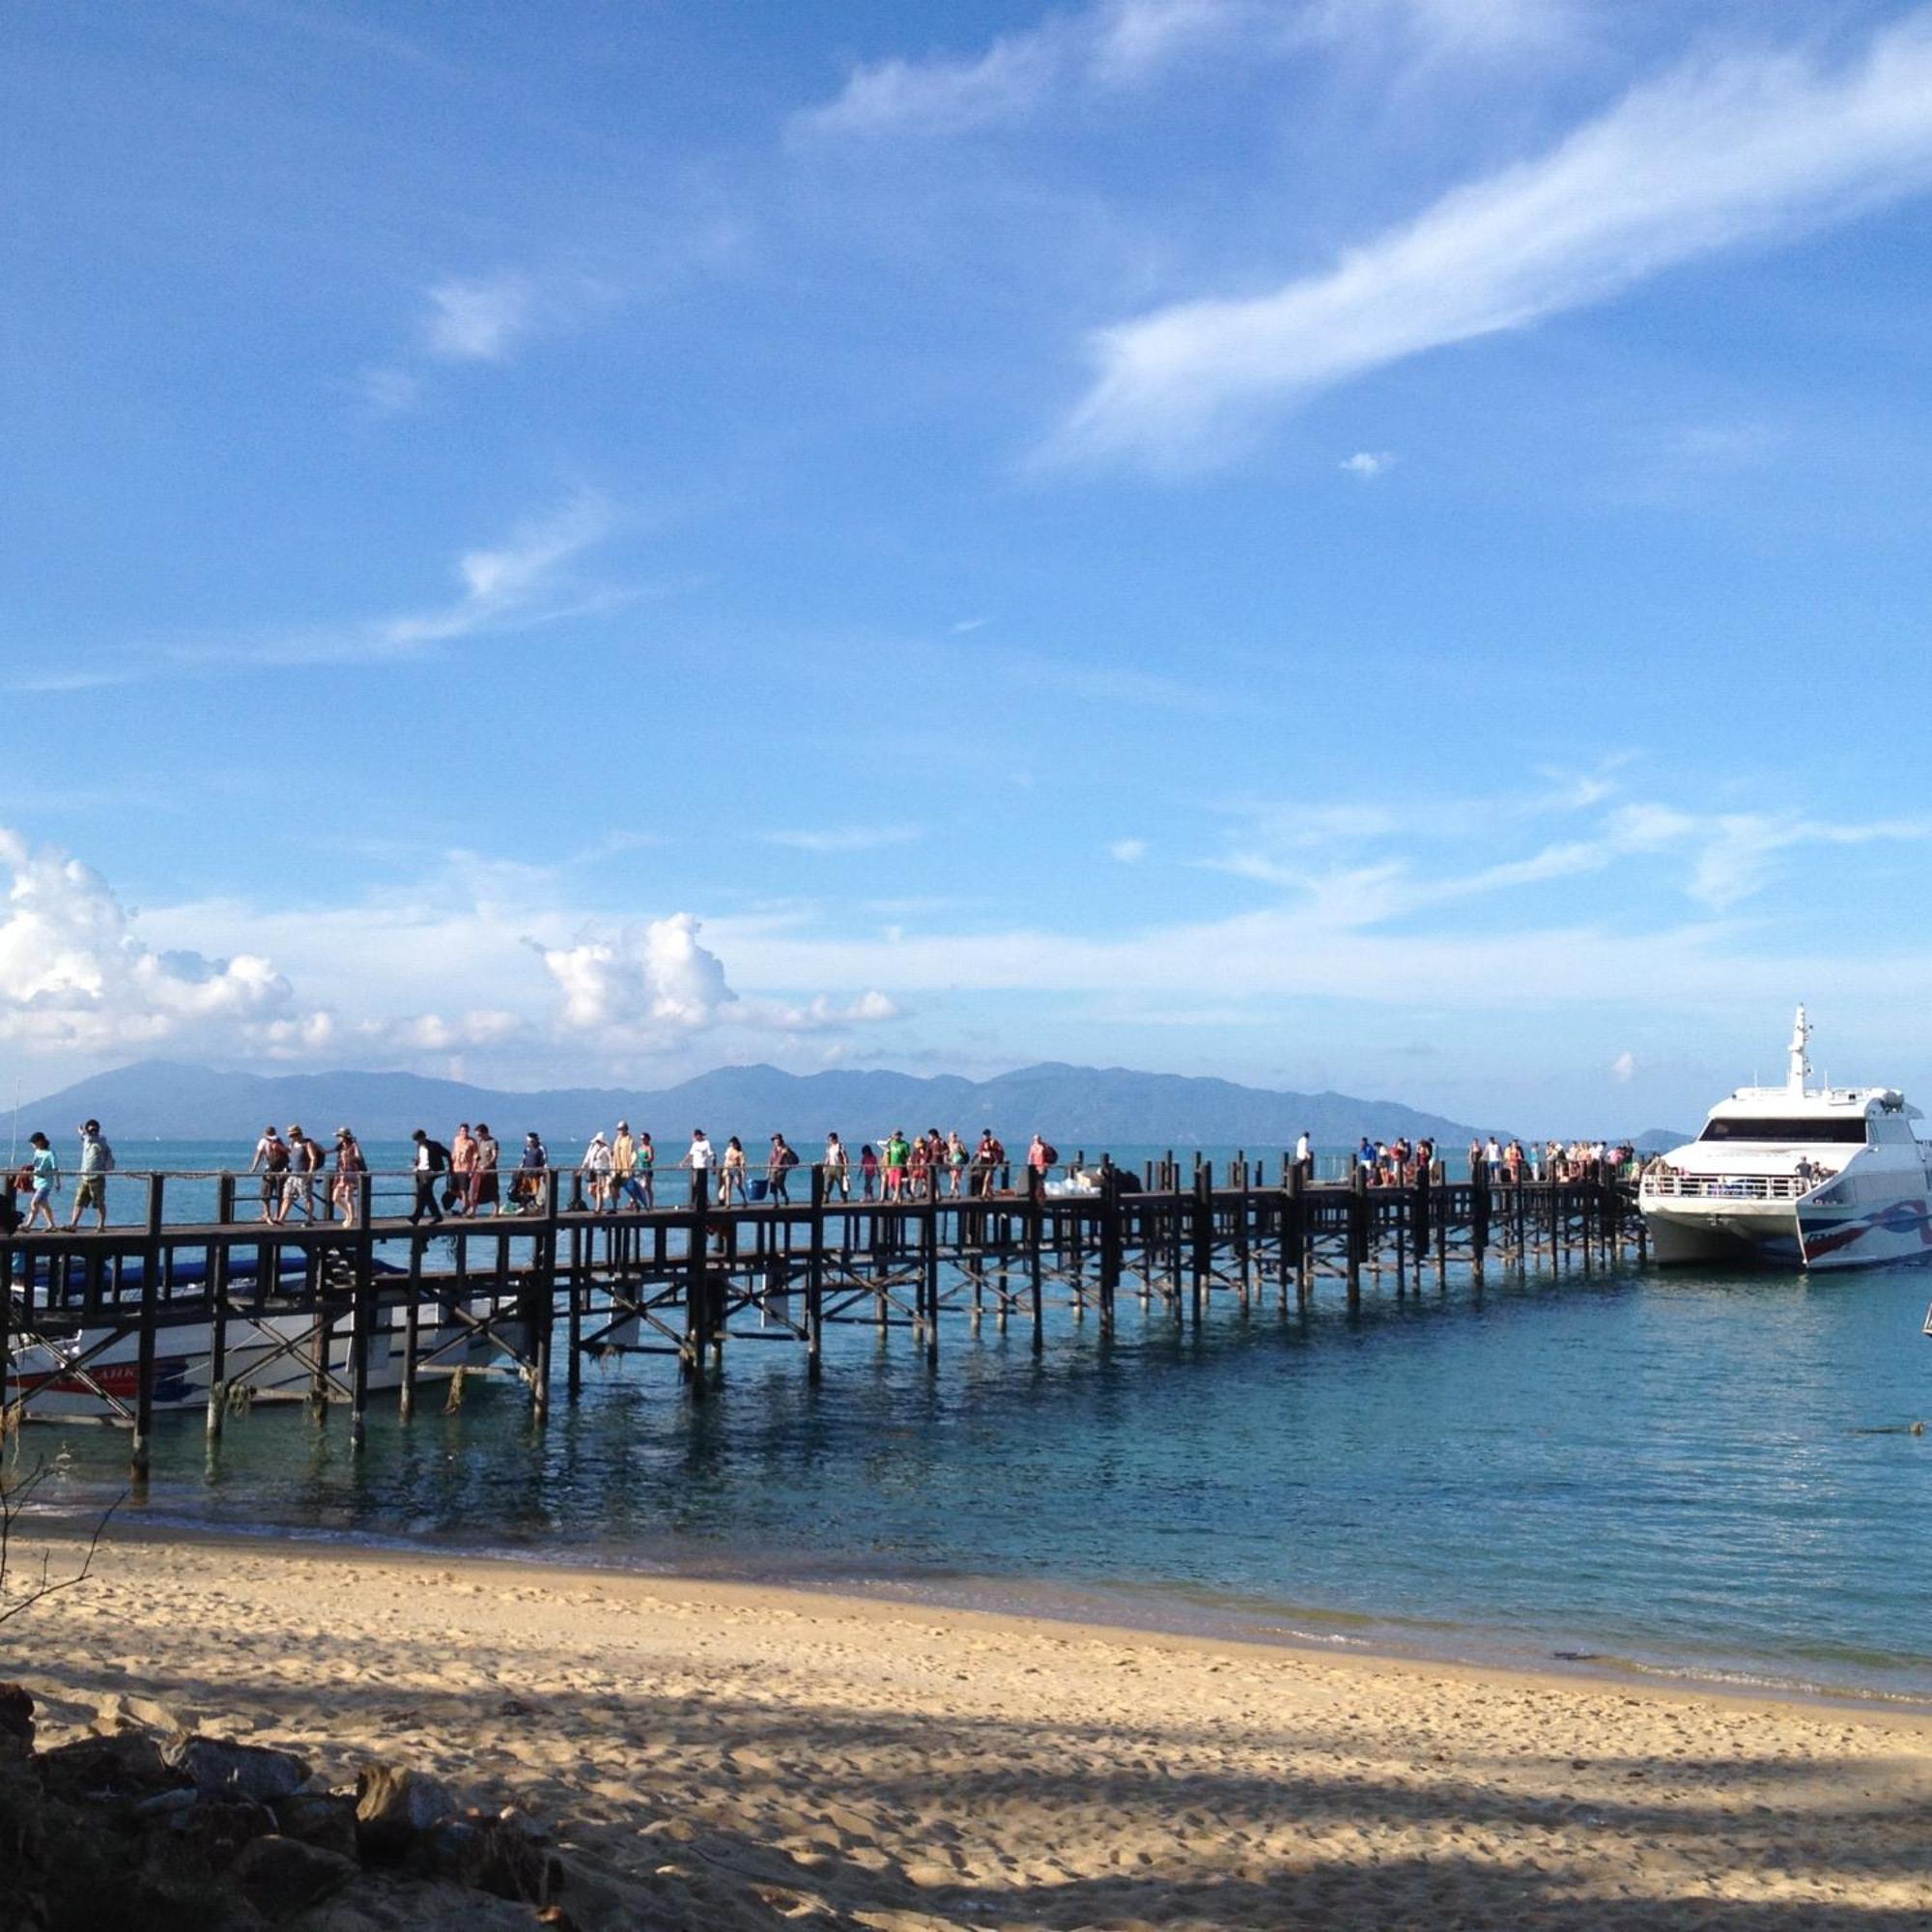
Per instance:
{"type": "Point", "coordinates": [1795, 1177]}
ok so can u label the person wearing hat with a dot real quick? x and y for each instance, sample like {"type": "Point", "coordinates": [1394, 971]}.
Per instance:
{"type": "Point", "coordinates": [271, 1163]}
{"type": "Point", "coordinates": [432, 1158]}
{"type": "Point", "coordinates": [299, 1191]}
{"type": "Point", "coordinates": [595, 1167]}
{"type": "Point", "coordinates": [624, 1163]}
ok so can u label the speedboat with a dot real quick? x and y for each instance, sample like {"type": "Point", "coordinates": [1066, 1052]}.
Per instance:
{"type": "Point", "coordinates": [1795, 1177]}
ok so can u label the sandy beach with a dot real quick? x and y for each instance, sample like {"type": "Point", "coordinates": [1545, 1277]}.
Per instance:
{"type": "Point", "coordinates": [723, 1756]}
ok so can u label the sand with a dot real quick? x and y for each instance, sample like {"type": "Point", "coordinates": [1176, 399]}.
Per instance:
{"type": "Point", "coordinates": [720, 1755]}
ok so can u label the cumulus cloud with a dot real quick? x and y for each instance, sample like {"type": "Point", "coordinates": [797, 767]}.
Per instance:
{"type": "Point", "coordinates": [651, 979]}
{"type": "Point", "coordinates": [824, 1014]}
{"type": "Point", "coordinates": [1129, 851]}
{"type": "Point", "coordinates": [1368, 464]}
{"type": "Point", "coordinates": [1751, 149]}
{"type": "Point", "coordinates": [75, 975]}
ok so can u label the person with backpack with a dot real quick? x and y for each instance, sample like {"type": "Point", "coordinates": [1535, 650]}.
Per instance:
{"type": "Point", "coordinates": [430, 1163]}
{"type": "Point", "coordinates": [97, 1163]}
{"type": "Point", "coordinates": [1042, 1157]}
{"type": "Point", "coordinates": [483, 1175]}
{"type": "Point", "coordinates": [299, 1189]}
{"type": "Point", "coordinates": [777, 1171]}
{"type": "Point", "coordinates": [271, 1163]}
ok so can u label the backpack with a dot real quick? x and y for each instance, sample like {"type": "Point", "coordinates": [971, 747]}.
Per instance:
{"type": "Point", "coordinates": [788, 1157]}
{"type": "Point", "coordinates": [438, 1157]}
{"type": "Point", "coordinates": [104, 1159]}
{"type": "Point", "coordinates": [1049, 1155]}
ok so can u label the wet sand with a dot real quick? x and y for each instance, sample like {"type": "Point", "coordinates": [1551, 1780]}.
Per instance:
{"type": "Point", "coordinates": [717, 1754]}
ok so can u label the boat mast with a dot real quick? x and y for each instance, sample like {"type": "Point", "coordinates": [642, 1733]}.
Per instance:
{"type": "Point", "coordinates": [1801, 1066]}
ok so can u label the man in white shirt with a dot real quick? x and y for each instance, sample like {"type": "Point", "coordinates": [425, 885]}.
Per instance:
{"type": "Point", "coordinates": [838, 1168]}
{"type": "Point", "coordinates": [699, 1158]}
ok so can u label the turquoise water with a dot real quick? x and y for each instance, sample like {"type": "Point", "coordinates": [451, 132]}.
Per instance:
{"type": "Point", "coordinates": [1704, 1474]}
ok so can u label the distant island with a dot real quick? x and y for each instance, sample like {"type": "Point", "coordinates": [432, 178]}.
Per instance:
{"type": "Point", "coordinates": [1094, 1107]}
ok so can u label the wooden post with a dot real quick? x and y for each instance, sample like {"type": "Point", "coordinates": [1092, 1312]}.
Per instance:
{"type": "Point", "coordinates": [144, 1373]}
{"type": "Point", "coordinates": [218, 1308]}
{"type": "Point", "coordinates": [1479, 1217]}
{"type": "Point", "coordinates": [929, 1266]}
{"type": "Point", "coordinates": [540, 1304]}
{"type": "Point", "coordinates": [1203, 1230]}
{"type": "Point", "coordinates": [576, 1293]}
{"type": "Point", "coordinates": [1110, 1242]}
{"type": "Point", "coordinates": [1035, 1210]}
{"type": "Point", "coordinates": [405, 1401]}
{"type": "Point", "coordinates": [814, 1279]}
{"type": "Point", "coordinates": [1356, 1238]}
{"type": "Point", "coordinates": [691, 1360]}
{"type": "Point", "coordinates": [361, 1325]}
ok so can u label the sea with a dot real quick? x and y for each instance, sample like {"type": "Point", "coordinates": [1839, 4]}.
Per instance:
{"type": "Point", "coordinates": [1698, 1476]}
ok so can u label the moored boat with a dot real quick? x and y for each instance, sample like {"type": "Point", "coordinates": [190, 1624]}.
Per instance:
{"type": "Point", "coordinates": [1795, 1177]}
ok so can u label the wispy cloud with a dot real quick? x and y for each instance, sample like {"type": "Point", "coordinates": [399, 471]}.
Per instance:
{"type": "Point", "coordinates": [1368, 464]}
{"type": "Point", "coordinates": [1127, 851]}
{"type": "Point", "coordinates": [1749, 148]}
{"type": "Point", "coordinates": [478, 321]}
{"type": "Point", "coordinates": [845, 838]}
{"type": "Point", "coordinates": [1114, 46]}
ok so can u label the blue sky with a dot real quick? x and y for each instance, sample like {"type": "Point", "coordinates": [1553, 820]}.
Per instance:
{"type": "Point", "coordinates": [1378, 545]}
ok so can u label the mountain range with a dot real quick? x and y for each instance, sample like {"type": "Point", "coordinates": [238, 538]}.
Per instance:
{"type": "Point", "coordinates": [1074, 1106]}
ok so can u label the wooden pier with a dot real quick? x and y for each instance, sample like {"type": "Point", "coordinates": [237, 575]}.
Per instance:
{"type": "Point", "coordinates": [240, 1305]}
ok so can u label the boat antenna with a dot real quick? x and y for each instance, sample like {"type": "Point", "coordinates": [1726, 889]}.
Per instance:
{"type": "Point", "coordinates": [1800, 1065]}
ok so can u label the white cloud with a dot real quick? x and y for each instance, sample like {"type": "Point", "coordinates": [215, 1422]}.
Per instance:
{"type": "Point", "coordinates": [1368, 464]}
{"type": "Point", "coordinates": [76, 975]}
{"type": "Point", "coordinates": [825, 1015]}
{"type": "Point", "coordinates": [845, 838]}
{"type": "Point", "coordinates": [1129, 851]}
{"type": "Point", "coordinates": [478, 321]}
{"type": "Point", "coordinates": [1623, 1069]}
{"type": "Point", "coordinates": [940, 96]}
{"type": "Point", "coordinates": [645, 979]}
{"type": "Point", "coordinates": [1745, 149]}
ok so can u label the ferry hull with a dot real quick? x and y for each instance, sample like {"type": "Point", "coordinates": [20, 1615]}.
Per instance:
{"type": "Point", "coordinates": [1791, 1235]}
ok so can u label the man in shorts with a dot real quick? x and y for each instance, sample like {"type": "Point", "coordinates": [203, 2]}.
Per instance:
{"type": "Point", "coordinates": [97, 1163]}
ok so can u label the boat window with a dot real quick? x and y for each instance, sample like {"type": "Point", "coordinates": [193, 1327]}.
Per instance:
{"type": "Point", "coordinates": [1844, 1127]}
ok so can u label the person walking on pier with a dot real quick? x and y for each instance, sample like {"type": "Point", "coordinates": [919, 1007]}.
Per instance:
{"type": "Point", "coordinates": [431, 1162]}
{"type": "Point", "coordinates": [595, 1170]}
{"type": "Point", "coordinates": [731, 1173]}
{"type": "Point", "coordinates": [1304, 1155]}
{"type": "Point", "coordinates": [45, 1174]}
{"type": "Point", "coordinates": [869, 1172]}
{"type": "Point", "coordinates": [271, 1162]}
{"type": "Point", "coordinates": [958, 1160]}
{"type": "Point", "coordinates": [641, 1186]}
{"type": "Point", "coordinates": [898, 1152]}
{"type": "Point", "coordinates": [299, 1189]}
{"type": "Point", "coordinates": [837, 1169]}
{"type": "Point", "coordinates": [483, 1176]}
{"type": "Point", "coordinates": [350, 1167]}
{"type": "Point", "coordinates": [97, 1163]}
{"type": "Point", "coordinates": [777, 1171]}
{"type": "Point", "coordinates": [532, 1168]}
{"type": "Point", "coordinates": [462, 1169]}
{"type": "Point", "coordinates": [623, 1162]}
{"type": "Point", "coordinates": [699, 1158]}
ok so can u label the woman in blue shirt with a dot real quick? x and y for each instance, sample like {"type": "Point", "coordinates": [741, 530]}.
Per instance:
{"type": "Point", "coordinates": [45, 1172]}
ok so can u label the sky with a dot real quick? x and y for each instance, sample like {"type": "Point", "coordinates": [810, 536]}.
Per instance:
{"type": "Point", "coordinates": [1371, 544]}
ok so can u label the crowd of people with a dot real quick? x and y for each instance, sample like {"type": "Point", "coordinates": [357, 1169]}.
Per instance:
{"type": "Point", "coordinates": [1401, 1162]}
{"type": "Point", "coordinates": [470, 1177]}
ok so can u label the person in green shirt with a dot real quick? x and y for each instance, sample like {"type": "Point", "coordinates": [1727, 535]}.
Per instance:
{"type": "Point", "coordinates": [898, 1152]}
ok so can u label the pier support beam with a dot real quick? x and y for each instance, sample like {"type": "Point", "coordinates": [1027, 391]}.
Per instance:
{"type": "Point", "coordinates": [218, 1293]}
{"type": "Point", "coordinates": [144, 1371]}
